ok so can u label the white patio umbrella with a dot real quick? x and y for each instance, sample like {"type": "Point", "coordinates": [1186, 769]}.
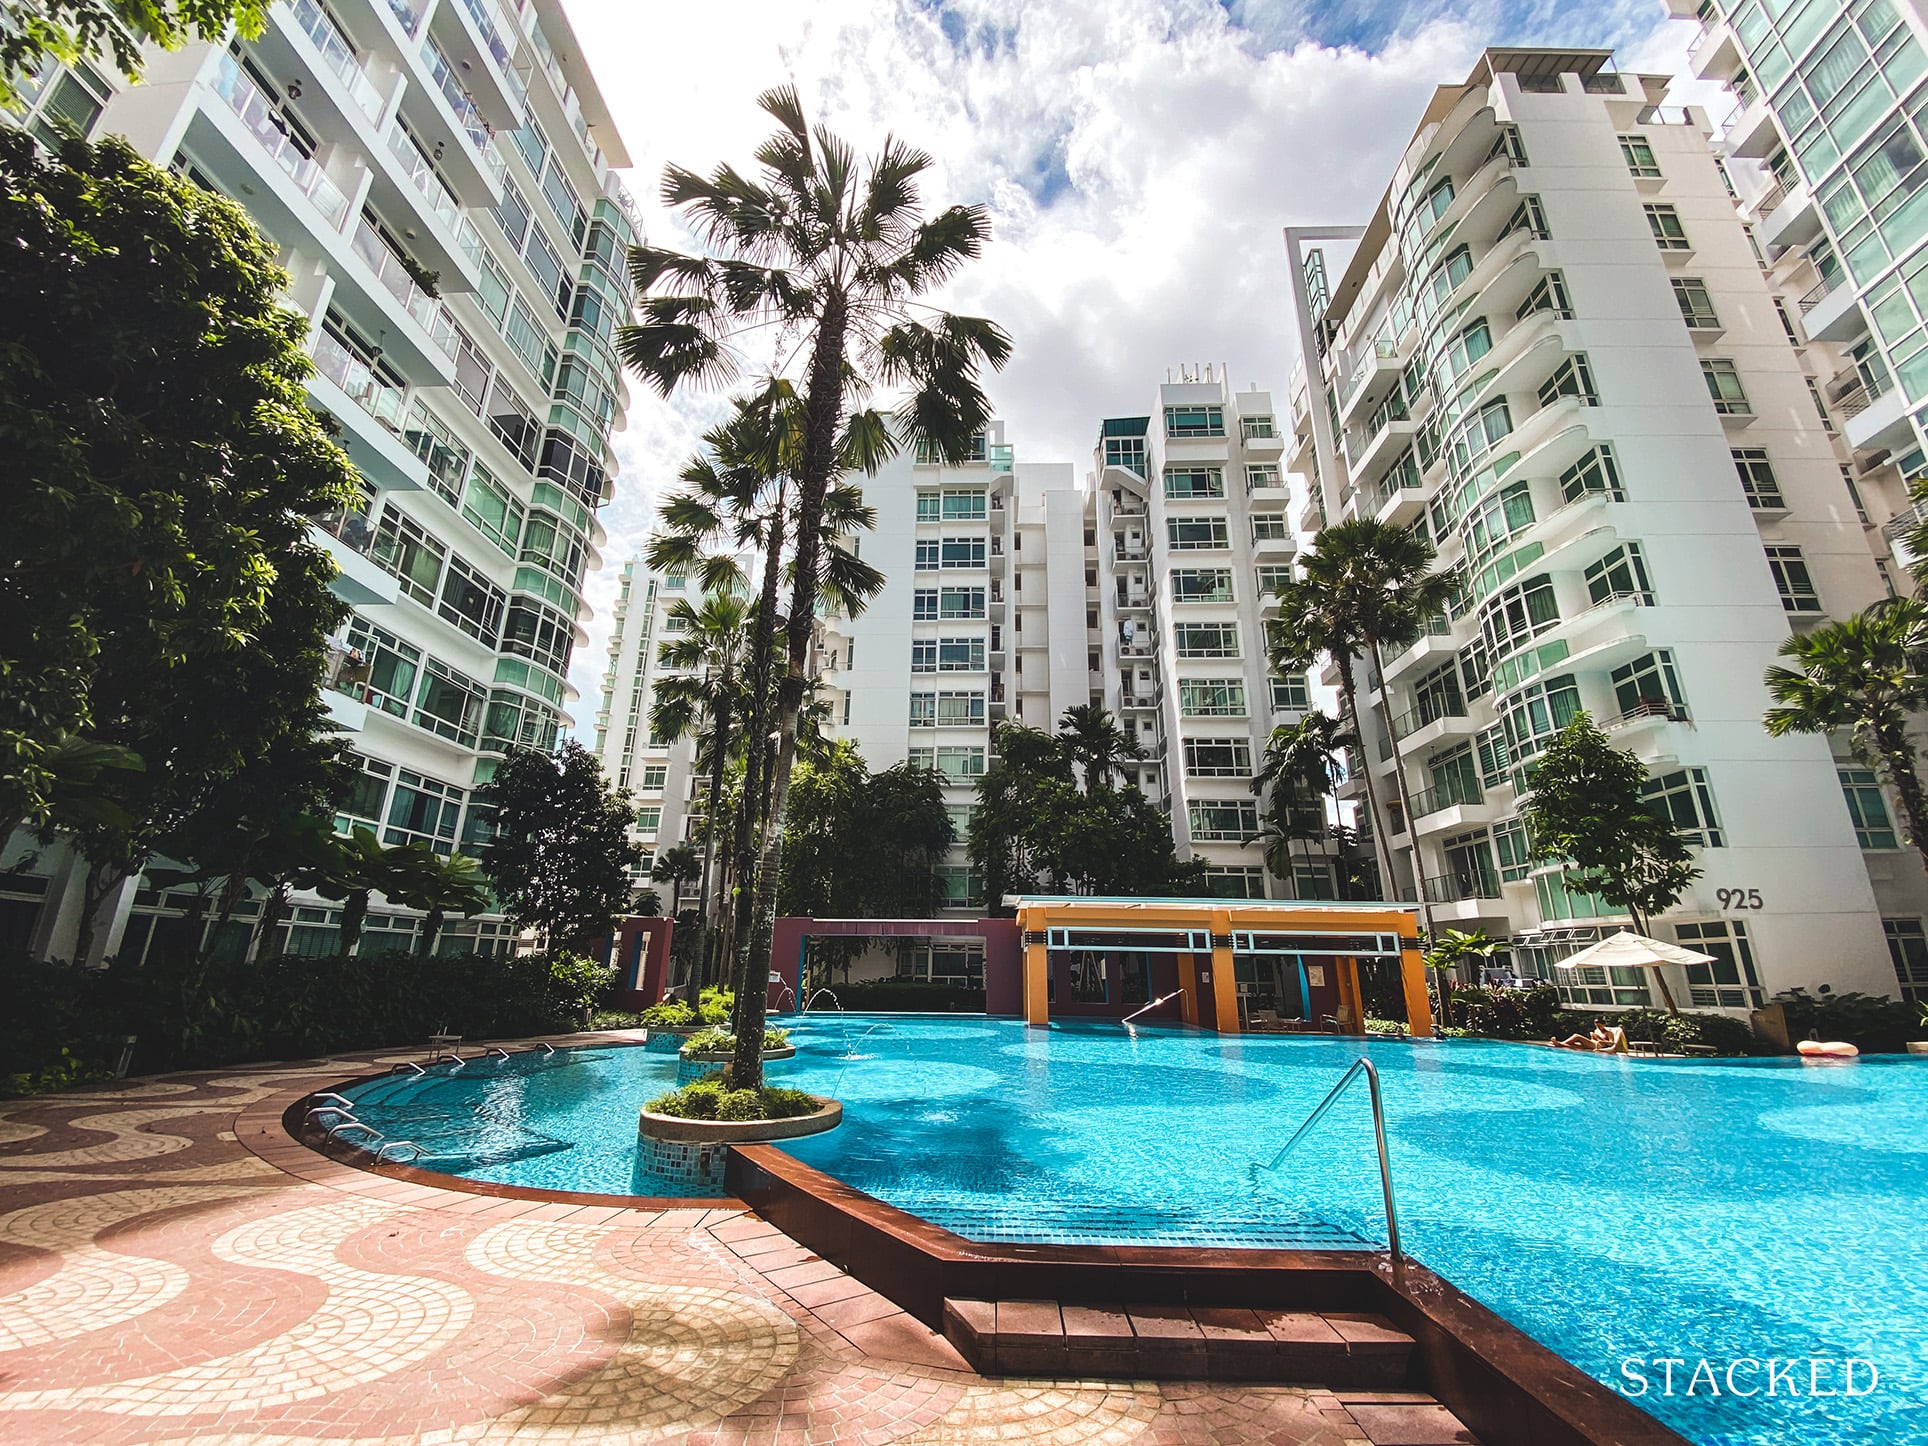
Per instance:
{"type": "Point", "coordinates": [1629, 950]}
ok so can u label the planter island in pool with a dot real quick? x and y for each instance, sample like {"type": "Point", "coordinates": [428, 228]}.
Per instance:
{"type": "Point", "coordinates": [694, 1152]}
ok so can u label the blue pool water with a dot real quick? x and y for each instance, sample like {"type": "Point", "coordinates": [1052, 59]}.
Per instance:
{"type": "Point", "coordinates": [1610, 1208]}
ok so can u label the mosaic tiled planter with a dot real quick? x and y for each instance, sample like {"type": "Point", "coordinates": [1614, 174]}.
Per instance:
{"type": "Point", "coordinates": [660, 1040]}
{"type": "Point", "coordinates": [695, 1066]}
{"type": "Point", "coordinates": [694, 1152]}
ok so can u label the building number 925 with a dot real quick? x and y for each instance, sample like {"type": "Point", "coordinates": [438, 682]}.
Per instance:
{"type": "Point", "coordinates": [1739, 898]}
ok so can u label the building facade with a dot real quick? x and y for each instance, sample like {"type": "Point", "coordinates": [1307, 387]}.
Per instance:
{"type": "Point", "coordinates": [437, 177]}
{"type": "Point", "coordinates": [1555, 348]}
{"type": "Point", "coordinates": [1016, 590]}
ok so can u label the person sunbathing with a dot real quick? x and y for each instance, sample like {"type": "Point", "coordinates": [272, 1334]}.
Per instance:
{"type": "Point", "coordinates": [1605, 1039]}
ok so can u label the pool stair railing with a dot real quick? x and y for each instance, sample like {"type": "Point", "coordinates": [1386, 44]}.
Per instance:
{"type": "Point", "coordinates": [1360, 1066]}
{"type": "Point", "coordinates": [1164, 999]}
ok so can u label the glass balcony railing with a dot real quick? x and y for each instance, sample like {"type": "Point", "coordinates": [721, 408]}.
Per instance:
{"type": "Point", "coordinates": [397, 282]}
{"type": "Point", "coordinates": [421, 175]}
{"type": "Point", "coordinates": [492, 26]}
{"type": "Point", "coordinates": [1447, 793]}
{"type": "Point", "coordinates": [338, 56]}
{"type": "Point", "coordinates": [466, 115]}
{"type": "Point", "coordinates": [386, 404]}
{"type": "Point", "coordinates": [232, 84]}
{"type": "Point", "coordinates": [409, 17]}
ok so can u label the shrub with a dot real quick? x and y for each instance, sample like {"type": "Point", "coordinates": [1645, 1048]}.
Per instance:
{"type": "Point", "coordinates": [713, 1040]}
{"type": "Point", "coordinates": [1384, 1026]}
{"type": "Point", "coordinates": [1676, 1032]}
{"type": "Point", "coordinates": [203, 1013]}
{"type": "Point", "coordinates": [1507, 1013]}
{"type": "Point", "coordinates": [711, 1098]}
{"type": "Point", "coordinates": [1879, 1026]}
{"type": "Point", "coordinates": [668, 1014]}
{"type": "Point", "coordinates": [714, 1005]}
{"type": "Point", "coordinates": [890, 996]}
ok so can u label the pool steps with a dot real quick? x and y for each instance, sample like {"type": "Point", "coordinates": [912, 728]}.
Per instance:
{"type": "Point", "coordinates": [1164, 1342]}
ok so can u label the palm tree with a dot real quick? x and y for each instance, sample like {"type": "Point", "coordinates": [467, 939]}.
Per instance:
{"type": "Point", "coordinates": [1301, 767]}
{"type": "Point", "coordinates": [676, 867]}
{"type": "Point", "coordinates": [832, 255]}
{"type": "Point", "coordinates": [1372, 586]}
{"type": "Point", "coordinates": [703, 693]}
{"type": "Point", "coordinates": [1093, 740]}
{"type": "Point", "coordinates": [1454, 949]}
{"type": "Point", "coordinates": [1862, 674]}
{"type": "Point", "coordinates": [423, 879]}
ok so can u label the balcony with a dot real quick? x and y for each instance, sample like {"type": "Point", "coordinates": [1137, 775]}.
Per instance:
{"type": "Point", "coordinates": [1875, 418]}
{"type": "Point", "coordinates": [1449, 807]}
{"type": "Point", "coordinates": [1371, 378]}
{"type": "Point", "coordinates": [471, 141]}
{"type": "Point", "coordinates": [1751, 134]}
{"type": "Point", "coordinates": [385, 300]}
{"type": "Point", "coordinates": [1432, 723]}
{"type": "Point", "coordinates": [1459, 888]}
{"type": "Point", "coordinates": [1714, 55]}
{"type": "Point", "coordinates": [1274, 547]}
{"type": "Point", "coordinates": [448, 242]}
{"type": "Point", "coordinates": [1829, 312]}
{"type": "Point", "coordinates": [308, 198]}
{"type": "Point", "coordinates": [1378, 451]}
{"type": "Point", "coordinates": [326, 52]}
{"type": "Point", "coordinates": [1789, 218]}
{"type": "Point", "coordinates": [372, 413]}
{"type": "Point", "coordinates": [481, 40]}
{"type": "Point", "coordinates": [1648, 713]}
{"type": "Point", "coordinates": [358, 581]}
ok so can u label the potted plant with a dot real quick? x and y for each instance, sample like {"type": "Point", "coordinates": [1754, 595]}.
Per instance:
{"type": "Point", "coordinates": [1920, 1046]}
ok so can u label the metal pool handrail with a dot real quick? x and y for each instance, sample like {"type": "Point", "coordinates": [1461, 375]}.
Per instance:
{"type": "Point", "coordinates": [1153, 1005]}
{"type": "Point", "coordinates": [1379, 1134]}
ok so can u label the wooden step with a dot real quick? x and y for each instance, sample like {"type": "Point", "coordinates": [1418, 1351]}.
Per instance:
{"type": "Point", "coordinates": [1178, 1343]}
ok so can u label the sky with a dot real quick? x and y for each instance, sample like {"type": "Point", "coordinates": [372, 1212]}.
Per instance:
{"type": "Point", "coordinates": [1139, 159]}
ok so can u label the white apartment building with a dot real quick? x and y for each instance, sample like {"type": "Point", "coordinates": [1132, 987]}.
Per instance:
{"type": "Point", "coordinates": [1553, 347]}
{"type": "Point", "coordinates": [1829, 145]}
{"type": "Point", "coordinates": [1012, 592]}
{"type": "Point", "coordinates": [437, 177]}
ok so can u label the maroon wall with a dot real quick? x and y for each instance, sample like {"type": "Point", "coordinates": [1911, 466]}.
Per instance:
{"type": "Point", "coordinates": [1003, 951]}
{"type": "Point", "coordinates": [641, 959]}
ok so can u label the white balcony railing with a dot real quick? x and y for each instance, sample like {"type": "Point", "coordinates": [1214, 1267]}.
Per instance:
{"type": "Point", "coordinates": [338, 56]}
{"type": "Point", "coordinates": [385, 403]}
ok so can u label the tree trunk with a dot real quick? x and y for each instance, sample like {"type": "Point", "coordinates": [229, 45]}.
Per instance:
{"type": "Point", "coordinates": [354, 913]}
{"type": "Point", "coordinates": [272, 908]}
{"type": "Point", "coordinates": [719, 754]}
{"type": "Point", "coordinates": [431, 930]}
{"type": "Point", "coordinates": [1405, 798]}
{"type": "Point", "coordinates": [823, 413]}
{"type": "Point", "coordinates": [103, 879]}
{"type": "Point", "coordinates": [1898, 759]}
{"type": "Point", "coordinates": [1381, 847]}
{"type": "Point", "coordinates": [756, 761]}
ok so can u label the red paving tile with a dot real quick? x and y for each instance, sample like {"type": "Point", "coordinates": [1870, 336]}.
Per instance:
{"type": "Point", "coordinates": [206, 1277]}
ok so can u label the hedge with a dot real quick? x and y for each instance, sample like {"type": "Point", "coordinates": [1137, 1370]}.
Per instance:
{"type": "Point", "coordinates": [60, 1024]}
{"type": "Point", "coordinates": [886, 996]}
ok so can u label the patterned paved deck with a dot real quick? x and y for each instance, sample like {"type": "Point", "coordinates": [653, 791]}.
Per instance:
{"type": "Point", "coordinates": [173, 1268]}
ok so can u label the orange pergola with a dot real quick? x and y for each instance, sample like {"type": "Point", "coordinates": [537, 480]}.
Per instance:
{"type": "Point", "coordinates": [1208, 936]}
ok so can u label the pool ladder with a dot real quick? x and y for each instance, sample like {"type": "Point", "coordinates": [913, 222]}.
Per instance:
{"type": "Point", "coordinates": [1360, 1066]}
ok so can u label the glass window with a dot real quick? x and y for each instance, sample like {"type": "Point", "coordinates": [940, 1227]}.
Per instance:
{"type": "Point", "coordinates": [1202, 585]}
{"type": "Point", "coordinates": [1218, 758]}
{"type": "Point", "coordinates": [563, 200]}
{"type": "Point", "coordinates": [1639, 156]}
{"type": "Point", "coordinates": [1649, 687]}
{"type": "Point", "coordinates": [1270, 527]}
{"type": "Point", "coordinates": [1792, 581]}
{"type": "Point", "coordinates": [1517, 614]}
{"type": "Point", "coordinates": [1211, 697]}
{"type": "Point", "coordinates": [408, 552]}
{"type": "Point", "coordinates": [513, 424]}
{"type": "Point", "coordinates": [1206, 640]}
{"type": "Point", "coordinates": [367, 792]}
{"type": "Point", "coordinates": [493, 510]}
{"type": "Point", "coordinates": [1696, 306]}
{"type": "Point", "coordinates": [1573, 379]}
{"type": "Point", "coordinates": [431, 439]}
{"type": "Point", "coordinates": [1227, 820]}
{"type": "Point", "coordinates": [1290, 694]}
{"type": "Point", "coordinates": [960, 655]}
{"type": "Point", "coordinates": [1197, 534]}
{"type": "Point", "coordinates": [1273, 577]}
{"type": "Point", "coordinates": [1620, 576]}
{"type": "Point", "coordinates": [1762, 488]}
{"type": "Point", "coordinates": [512, 214]}
{"type": "Point", "coordinates": [1194, 421]}
{"type": "Point", "coordinates": [1237, 881]}
{"type": "Point", "coordinates": [423, 810]}
{"type": "Point", "coordinates": [539, 633]}
{"type": "Point", "coordinates": [1194, 482]}
{"type": "Point", "coordinates": [1529, 216]}
{"type": "Point", "coordinates": [1908, 950]}
{"type": "Point", "coordinates": [1126, 452]}
{"type": "Point", "coordinates": [1535, 713]}
{"type": "Point", "coordinates": [1549, 295]}
{"type": "Point", "coordinates": [1868, 808]}
{"type": "Point", "coordinates": [1256, 427]}
{"type": "Point", "coordinates": [1597, 471]}
{"type": "Point", "coordinates": [1729, 982]}
{"type": "Point", "coordinates": [1724, 386]}
{"type": "Point", "coordinates": [963, 552]}
{"type": "Point", "coordinates": [471, 601]}
{"type": "Point", "coordinates": [1669, 234]}
{"type": "Point", "coordinates": [1262, 474]}
{"type": "Point", "coordinates": [655, 777]}
{"type": "Point", "coordinates": [449, 703]}
{"type": "Point", "coordinates": [1684, 799]}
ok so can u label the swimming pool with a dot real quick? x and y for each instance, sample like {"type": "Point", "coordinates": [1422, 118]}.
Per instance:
{"type": "Point", "coordinates": [1613, 1209]}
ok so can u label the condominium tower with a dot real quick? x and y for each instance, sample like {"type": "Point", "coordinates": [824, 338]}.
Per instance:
{"type": "Point", "coordinates": [436, 176]}
{"type": "Point", "coordinates": [1555, 348]}
{"type": "Point", "coordinates": [1016, 590]}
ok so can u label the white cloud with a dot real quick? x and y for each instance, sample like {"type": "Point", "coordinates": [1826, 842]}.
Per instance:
{"type": "Point", "coordinates": [1171, 144]}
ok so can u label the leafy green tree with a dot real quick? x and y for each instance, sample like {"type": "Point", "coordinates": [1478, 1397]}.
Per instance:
{"type": "Point", "coordinates": [1366, 588]}
{"type": "Point", "coordinates": [1862, 676]}
{"type": "Point", "coordinates": [1588, 810]}
{"type": "Point", "coordinates": [32, 31]}
{"type": "Point", "coordinates": [437, 884]}
{"type": "Point", "coordinates": [832, 254]}
{"type": "Point", "coordinates": [561, 855]}
{"type": "Point", "coordinates": [1035, 826]}
{"type": "Point", "coordinates": [162, 595]}
{"type": "Point", "coordinates": [1302, 767]}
